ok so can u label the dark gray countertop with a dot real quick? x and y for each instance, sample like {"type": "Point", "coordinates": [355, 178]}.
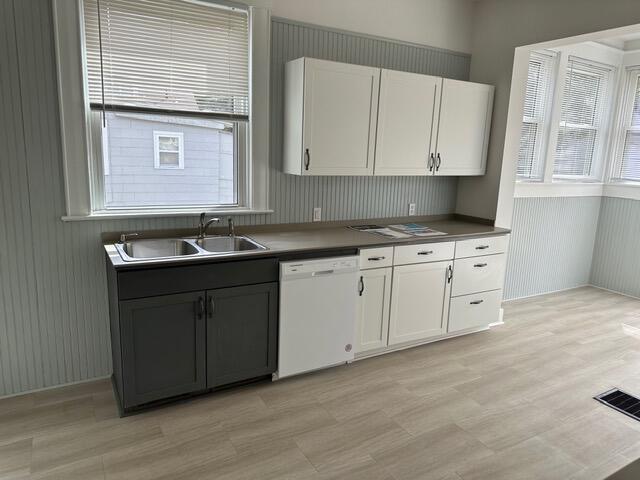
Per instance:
{"type": "Point", "coordinates": [323, 239]}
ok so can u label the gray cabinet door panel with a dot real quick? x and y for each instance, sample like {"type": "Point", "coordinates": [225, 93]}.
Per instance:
{"type": "Point", "coordinates": [163, 347]}
{"type": "Point", "coordinates": [241, 333]}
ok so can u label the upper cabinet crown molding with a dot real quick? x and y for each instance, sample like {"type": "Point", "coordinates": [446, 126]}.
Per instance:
{"type": "Point", "coordinates": [344, 119]}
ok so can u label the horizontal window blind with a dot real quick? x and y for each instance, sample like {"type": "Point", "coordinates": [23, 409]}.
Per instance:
{"type": "Point", "coordinates": [630, 164]}
{"type": "Point", "coordinates": [582, 118]}
{"type": "Point", "coordinates": [167, 55]}
{"type": "Point", "coordinates": [538, 94]}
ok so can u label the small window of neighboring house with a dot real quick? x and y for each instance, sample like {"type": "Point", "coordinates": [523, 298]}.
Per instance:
{"type": "Point", "coordinates": [168, 149]}
{"type": "Point", "coordinates": [581, 140]}
{"type": "Point", "coordinates": [537, 111]}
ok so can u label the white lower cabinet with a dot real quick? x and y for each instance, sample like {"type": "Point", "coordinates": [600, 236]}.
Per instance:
{"type": "Point", "coordinates": [420, 301]}
{"type": "Point", "coordinates": [372, 325]}
{"type": "Point", "coordinates": [475, 310]}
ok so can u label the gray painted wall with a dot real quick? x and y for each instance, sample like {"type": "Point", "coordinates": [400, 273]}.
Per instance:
{"type": "Point", "coordinates": [616, 257]}
{"type": "Point", "coordinates": [53, 308]}
{"type": "Point", "coordinates": [552, 244]}
{"type": "Point", "coordinates": [498, 27]}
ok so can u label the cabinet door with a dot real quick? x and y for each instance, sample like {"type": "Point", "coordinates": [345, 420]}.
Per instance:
{"type": "Point", "coordinates": [463, 131]}
{"type": "Point", "coordinates": [340, 105]}
{"type": "Point", "coordinates": [405, 121]}
{"type": "Point", "coordinates": [242, 333]}
{"type": "Point", "coordinates": [372, 323]}
{"type": "Point", "coordinates": [419, 301]}
{"type": "Point", "coordinates": [163, 347]}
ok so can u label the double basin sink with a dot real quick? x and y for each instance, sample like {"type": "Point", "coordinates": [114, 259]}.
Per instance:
{"type": "Point", "coordinates": [168, 248]}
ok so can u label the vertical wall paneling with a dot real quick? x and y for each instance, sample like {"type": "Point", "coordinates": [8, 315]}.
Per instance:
{"type": "Point", "coordinates": [552, 244]}
{"type": "Point", "coordinates": [616, 257]}
{"type": "Point", "coordinates": [53, 306]}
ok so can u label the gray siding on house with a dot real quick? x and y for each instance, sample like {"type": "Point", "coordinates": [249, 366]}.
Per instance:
{"type": "Point", "coordinates": [551, 245]}
{"type": "Point", "coordinates": [616, 257]}
{"type": "Point", "coordinates": [53, 305]}
{"type": "Point", "coordinates": [134, 180]}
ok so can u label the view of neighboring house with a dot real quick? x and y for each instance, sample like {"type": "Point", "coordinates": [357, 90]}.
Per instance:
{"type": "Point", "coordinates": [159, 160]}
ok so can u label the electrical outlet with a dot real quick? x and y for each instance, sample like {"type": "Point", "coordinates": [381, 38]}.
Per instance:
{"type": "Point", "coordinates": [317, 214]}
{"type": "Point", "coordinates": [412, 209]}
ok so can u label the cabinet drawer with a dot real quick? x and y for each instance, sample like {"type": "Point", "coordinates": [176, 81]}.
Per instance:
{"type": "Point", "coordinates": [475, 310]}
{"type": "Point", "coordinates": [422, 253]}
{"type": "Point", "coordinates": [478, 274]}
{"type": "Point", "coordinates": [376, 257]}
{"type": "Point", "coordinates": [481, 246]}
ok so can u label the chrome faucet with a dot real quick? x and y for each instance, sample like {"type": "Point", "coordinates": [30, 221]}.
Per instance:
{"type": "Point", "coordinates": [202, 226]}
{"type": "Point", "coordinates": [232, 231]}
{"type": "Point", "coordinates": [126, 236]}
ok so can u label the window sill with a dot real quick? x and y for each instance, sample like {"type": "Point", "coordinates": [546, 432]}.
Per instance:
{"type": "Point", "coordinates": [558, 189]}
{"type": "Point", "coordinates": [622, 190]}
{"type": "Point", "coordinates": [129, 214]}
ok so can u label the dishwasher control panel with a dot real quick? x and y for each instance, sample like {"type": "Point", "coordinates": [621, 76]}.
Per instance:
{"type": "Point", "coordinates": [323, 266]}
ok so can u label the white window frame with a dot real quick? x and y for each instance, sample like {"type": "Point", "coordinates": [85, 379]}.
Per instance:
{"type": "Point", "coordinates": [81, 198]}
{"type": "Point", "coordinates": [599, 162]}
{"type": "Point", "coordinates": [627, 98]}
{"type": "Point", "coordinates": [157, 150]}
{"type": "Point", "coordinates": [544, 124]}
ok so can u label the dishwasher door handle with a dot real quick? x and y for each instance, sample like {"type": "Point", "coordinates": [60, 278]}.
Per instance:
{"type": "Point", "coordinates": [322, 272]}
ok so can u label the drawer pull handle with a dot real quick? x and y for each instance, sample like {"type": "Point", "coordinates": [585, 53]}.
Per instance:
{"type": "Point", "coordinates": [425, 252]}
{"type": "Point", "coordinates": [375, 259]}
{"type": "Point", "coordinates": [476, 302]}
{"type": "Point", "coordinates": [480, 265]}
{"type": "Point", "coordinates": [482, 247]}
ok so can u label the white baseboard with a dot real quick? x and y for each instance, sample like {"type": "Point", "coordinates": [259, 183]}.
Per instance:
{"type": "Point", "coordinates": [549, 293]}
{"type": "Point", "coordinates": [53, 387]}
{"type": "Point", "coordinates": [615, 291]}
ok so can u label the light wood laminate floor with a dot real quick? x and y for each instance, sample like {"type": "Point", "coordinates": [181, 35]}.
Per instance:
{"type": "Point", "coordinates": [511, 403]}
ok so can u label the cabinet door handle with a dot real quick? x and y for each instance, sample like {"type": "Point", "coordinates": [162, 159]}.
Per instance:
{"type": "Point", "coordinates": [431, 162]}
{"type": "Point", "coordinates": [361, 289]}
{"type": "Point", "coordinates": [438, 162]}
{"type": "Point", "coordinates": [375, 259]}
{"type": "Point", "coordinates": [476, 302]}
{"type": "Point", "coordinates": [449, 273]}
{"type": "Point", "coordinates": [200, 307]}
{"type": "Point", "coordinates": [307, 159]}
{"type": "Point", "coordinates": [480, 265]}
{"type": "Point", "coordinates": [212, 307]}
{"type": "Point", "coordinates": [425, 252]}
{"type": "Point", "coordinates": [482, 247]}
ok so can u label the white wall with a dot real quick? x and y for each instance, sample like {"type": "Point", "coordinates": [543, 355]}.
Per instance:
{"type": "Point", "coordinates": [498, 27]}
{"type": "Point", "coordinates": [437, 23]}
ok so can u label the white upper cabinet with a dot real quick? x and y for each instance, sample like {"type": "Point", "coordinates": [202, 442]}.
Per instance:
{"type": "Point", "coordinates": [330, 117]}
{"type": "Point", "coordinates": [463, 128]}
{"type": "Point", "coordinates": [405, 122]}
{"type": "Point", "coordinates": [338, 117]}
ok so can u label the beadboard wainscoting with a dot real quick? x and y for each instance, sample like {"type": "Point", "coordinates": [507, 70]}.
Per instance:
{"type": "Point", "coordinates": [616, 256]}
{"type": "Point", "coordinates": [551, 245]}
{"type": "Point", "coordinates": [53, 302]}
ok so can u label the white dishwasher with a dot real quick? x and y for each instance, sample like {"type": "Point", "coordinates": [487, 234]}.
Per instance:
{"type": "Point", "coordinates": [318, 307]}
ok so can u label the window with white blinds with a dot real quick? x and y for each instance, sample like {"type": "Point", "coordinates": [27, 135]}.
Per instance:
{"type": "Point", "coordinates": [628, 168]}
{"type": "Point", "coordinates": [169, 56]}
{"type": "Point", "coordinates": [537, 109]}
{"type": "Point", "coordinates": [582, 119]}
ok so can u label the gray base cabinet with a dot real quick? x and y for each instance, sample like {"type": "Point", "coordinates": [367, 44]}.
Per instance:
{"type": "Point", "coordinates": [163, 347]}
{"type": "Point", "coordinates": [241, 333]}
{"type": "Point", "coordinates": [180, 330]}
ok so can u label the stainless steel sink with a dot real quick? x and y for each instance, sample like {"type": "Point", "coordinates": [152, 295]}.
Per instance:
{"type": "Point", "coordinates": [228, 244]}
{"type": "Point", "coordinates": [153, 249]}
